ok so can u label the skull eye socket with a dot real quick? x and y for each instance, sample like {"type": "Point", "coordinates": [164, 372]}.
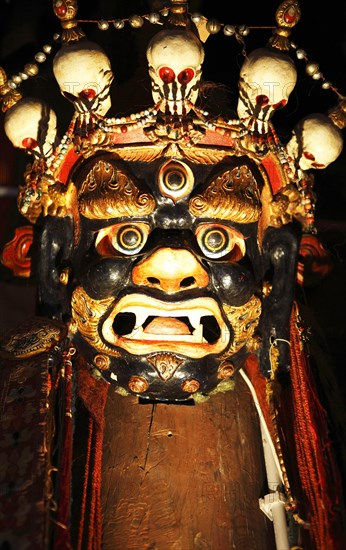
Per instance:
{"type": "Point", "coordinates": [308, 155]}
{"type": "Point", "coordinates": [29, 143]}
{"type": "Point", "coordinates": [185, 76]}
{"type": "Point", "coordinates": [262, 100]}
{"type": "Point", "coordinates": [167, 75]}
{"type": "Point", "coordinates": [127, 238]}
{"type": "Point", "coordinates": [217, 240]}
{"type": "Point", "coordinates": [88, 93]}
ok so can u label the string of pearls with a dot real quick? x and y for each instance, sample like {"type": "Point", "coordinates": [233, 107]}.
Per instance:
{"type": "Point", "coordinates": [213, 26]}
{"type": "Point", "coordinates": [312, 69]}
{"type": "Point", "coordinates": [131, 122]}
{"type": "Point", "coordinates": [32, 68]}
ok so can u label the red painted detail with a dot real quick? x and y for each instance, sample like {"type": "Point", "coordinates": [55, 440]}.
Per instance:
{"type": "Point", "coordinates": [185, 76]}
{"type": "Point", "coordinates": [69, 162]}
{"type": "Point", "coordinates": [308, 155]}
{"type": "Point", "coordinates": [29, 143]}
{"type": "Point", "coordinates": [274, 174]}
{"type": "Point", "coordinates": [15, 254]}
{"type": "Point", "coordinates": [88, 93]}
{"type": "Point", "coordinates": [167, 75]}
{"type": "Point", "coordinates": [280, 104]}
{"type": "Point", "coordinates": [262, 100]}
{"type": "Point", "coordinates": [61, 10]}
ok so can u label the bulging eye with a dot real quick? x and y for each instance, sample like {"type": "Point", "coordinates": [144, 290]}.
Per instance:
{"type": "Point", "coordinates": [185, 76]}
{"type": "Point", "coordinates": [217, 240]}
{"type": "Point", "coordinates": [167, 75]}
{"type": "Point", "coordinates": [127, 238]}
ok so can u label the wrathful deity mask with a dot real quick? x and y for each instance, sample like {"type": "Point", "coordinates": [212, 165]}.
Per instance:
{"type": "Point", "coordinates": [166, 270]}
{"type": "Point", "coordinates": [170, 238]}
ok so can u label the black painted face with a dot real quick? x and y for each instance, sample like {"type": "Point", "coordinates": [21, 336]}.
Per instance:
{"type": "Point", "coordinates": [166, 300]}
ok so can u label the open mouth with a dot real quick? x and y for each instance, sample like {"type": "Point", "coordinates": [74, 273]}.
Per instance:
{"type": "Point", "coordinates": [142, 325]}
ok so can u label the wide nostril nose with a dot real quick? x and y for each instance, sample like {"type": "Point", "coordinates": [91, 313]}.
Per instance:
{"type": "Point", "coordinates": [171, 270]}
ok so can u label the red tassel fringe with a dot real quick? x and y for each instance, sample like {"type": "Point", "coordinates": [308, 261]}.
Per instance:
{"type": "Point", "coordinates": [318, 472]}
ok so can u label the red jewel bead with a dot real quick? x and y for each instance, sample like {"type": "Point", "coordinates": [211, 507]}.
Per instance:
{"type": "Point", "coordinates": [167, 75]}
{"type": "Point", "coordinates": [123, 129]}
{"type": "Point", "coordinates": [185, 76]}
{"type": "Point", "coordinates": [262, 100]}
{"type": "Point", "coordinates": [88, 93]}
{"type": "Point", "coordinates": [29, 143]}
{"type": "Point", "coordinates": [61, 9]}
{"type": "Point", "coordinates": [290, 15]}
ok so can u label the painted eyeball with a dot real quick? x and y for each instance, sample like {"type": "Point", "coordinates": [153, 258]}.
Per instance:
{"type": "Point", "coordinates": [127, 238]}
{"type": "Point", "coordinates": [217, 240]}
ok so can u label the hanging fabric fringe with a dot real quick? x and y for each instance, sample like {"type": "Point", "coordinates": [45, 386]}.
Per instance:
{"type": "Point", "coordinates": [318, 472]}
{"type": "Point", "coordinates": [93, 394]}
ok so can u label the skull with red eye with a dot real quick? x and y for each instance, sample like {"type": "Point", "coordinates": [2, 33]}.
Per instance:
{"type": "Point", "coordinates": [84, 75]}
{"type": "Point", "coordinates": [267, 78]}
{"type": "Point", "coordinates": [315, 142]}
{"type": "Point", "coordinates": [31, 125]}
{"type": "Point", "coordinates": [175, 58]}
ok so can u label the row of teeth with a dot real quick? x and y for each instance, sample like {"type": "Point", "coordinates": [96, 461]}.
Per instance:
{"type": "Point", "coordinates": [194, 316]}
{"type": "Point", "coordinates": [142, 314]}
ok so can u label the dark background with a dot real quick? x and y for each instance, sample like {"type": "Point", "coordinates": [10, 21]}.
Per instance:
{"type": "Point", "coordinates": [26, 26]}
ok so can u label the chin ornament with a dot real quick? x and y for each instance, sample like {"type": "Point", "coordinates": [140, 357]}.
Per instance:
{"type": "Point", "coordinates": [267, 78]}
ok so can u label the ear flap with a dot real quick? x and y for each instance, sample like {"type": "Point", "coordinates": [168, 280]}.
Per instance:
{"type": "Point", "coordinates": [55, 249]}
{"type": "Point", "coordinates": [280, 249]}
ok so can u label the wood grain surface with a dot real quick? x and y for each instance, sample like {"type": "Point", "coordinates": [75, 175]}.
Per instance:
{"type": "Point", "coordinates": [178, 477]}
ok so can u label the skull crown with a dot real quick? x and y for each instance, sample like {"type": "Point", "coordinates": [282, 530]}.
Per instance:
{"type": "Point", "coordinates": [175, 60]}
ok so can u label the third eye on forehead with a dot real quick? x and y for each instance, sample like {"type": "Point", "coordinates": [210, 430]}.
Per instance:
{"type": "Point", "coordinates": [168, 76]}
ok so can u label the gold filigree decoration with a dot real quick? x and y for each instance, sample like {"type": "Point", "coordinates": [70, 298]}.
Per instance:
{"type": "Point", "coordinates": [205, 155]}
{"type": "Point", "coordinates": [165, 364]}
{"type": "Point", "coordinates": [284, 205]}
{"type": "Point", "coordinates": [8, 96]}
{"type": "Point", "coordinates": [233, 195]}
{"type": "Point", "coordinates": [338, 115]}
{"type": "Point", "coordinates": [244, 320]}
{"type": "Point", "coordinates": [130, 153]}
{"type": "Point", "coordinates": [174, 131]}
{"type": "Point", "coordinates": [108, 192]}
{"type": "Point", "coordinates": [66, 11]}
{"type": "Point", "coordinates": [86, 313]}
{"type": "Point", "coordinates": [32, 337]}
{"type": "Point", "coordinates": [287, 16]}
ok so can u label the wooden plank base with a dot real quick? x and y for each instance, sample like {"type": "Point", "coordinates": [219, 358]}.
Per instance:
{"type": "Point", "coordinates": [178, 477]}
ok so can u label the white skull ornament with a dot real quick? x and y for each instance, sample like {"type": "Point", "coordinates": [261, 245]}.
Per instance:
{"type": "Point", "coordinates": [83, 72]}
{"type": "Point", "coordinates": [267, 78]}
{"type": "Point", "coordinates": [31, 125]}
{"type": "Point", "coordinates": [315, 142]}
{"type": "Point", "coordinates": [175, 59]}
